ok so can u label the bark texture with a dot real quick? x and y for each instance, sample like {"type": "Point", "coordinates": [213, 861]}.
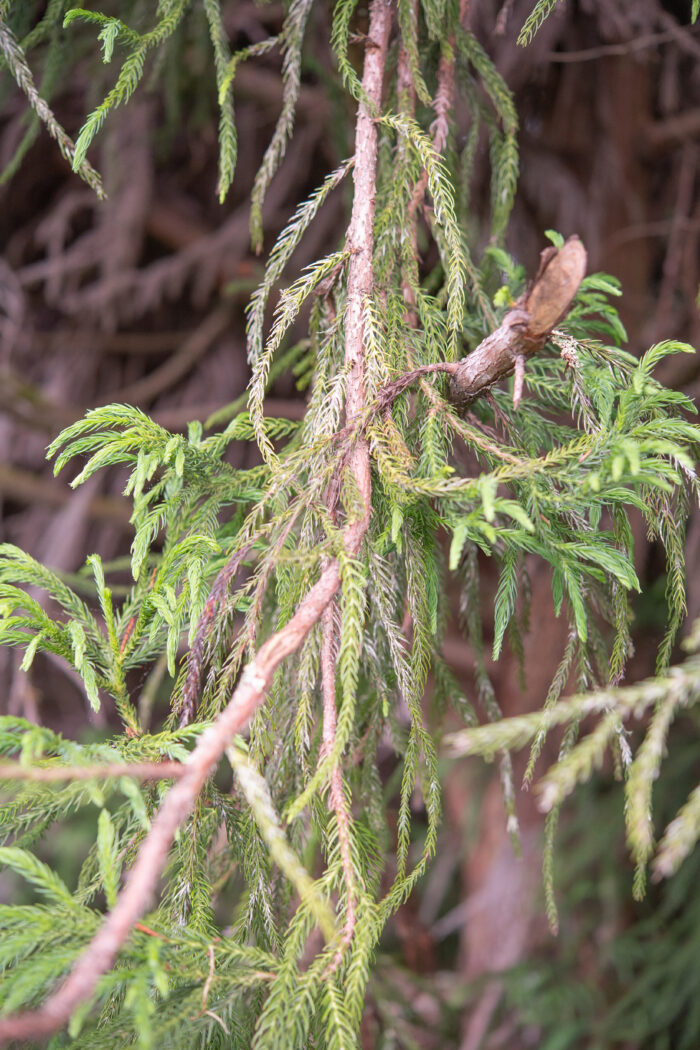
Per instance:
{"type": "Point", "coordinates": [526, 326]}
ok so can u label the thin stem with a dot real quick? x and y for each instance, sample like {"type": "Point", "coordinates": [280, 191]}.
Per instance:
{"type": "Point", "coordinates": [336, 795]}
{"type": "Point", "coordinates": [439, 129]}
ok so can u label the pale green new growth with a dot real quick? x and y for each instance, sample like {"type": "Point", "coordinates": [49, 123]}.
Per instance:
{"type": "Point", "coordinates": [667, 695]}
{"type": "Point", "coordinates": [541, 10]}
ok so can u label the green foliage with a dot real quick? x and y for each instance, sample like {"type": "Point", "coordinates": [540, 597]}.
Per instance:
{"type": "Point", "coordinates": [221, 558]}
{"type": "Point", "coordinates": [665, 697]}
{"type": "Point", "coordinates": [14, 58]}
{"type": "Point", "coordinates": [645, 994]}
{"type": "Point", "coordinates": [544, 8]}
{"type": "Point", "coordinates": [541, 10]}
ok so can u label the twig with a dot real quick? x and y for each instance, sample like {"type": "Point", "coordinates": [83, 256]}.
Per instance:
{"type": "Point", "coordinates": [179, 363]}
{"type": "Point", "coordinates": [52, 774]}
{"type": "Point", "coordinates": [592, 54]}
{"type": "Point", "coordinates": [16, 62]}
{"type": "Point", "coordinates": [26, 487]}
{"type": "Point", "coordinates": [406, 92]}
{"type": "Point", "coordinates": [681, 34]}
{"type": "Point", "coordinates": [674, 250]}
{"type": "Point", "coordinates": [195, 657]}
{"type": "Point", "coordinates": [662, 134]}
{"type": "Point", "coordinates": [439, 129]}
{"type": "Point", "coordinates": [136, 895]}
{"type": "Point", "coordinates": [387, 394]}
{"type": "Point", "coordinates": [210, 977]}
{"type": "Point", "coordinates": [336, 794]}
{"type": "Point", "coordinates": [502, 19]}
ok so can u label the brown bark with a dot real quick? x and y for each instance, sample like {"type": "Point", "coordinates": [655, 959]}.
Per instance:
{"type": "Point", "coordinates": [526, 326]}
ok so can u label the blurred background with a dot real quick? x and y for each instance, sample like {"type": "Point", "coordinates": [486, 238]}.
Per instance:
{"type": "Point", "coordinates": [141, 299]}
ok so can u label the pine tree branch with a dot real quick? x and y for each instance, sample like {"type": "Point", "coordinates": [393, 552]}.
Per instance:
{"type": "Point", "coordinates": [135, 897]}
{"type": "Point", "coordinates": [55, 774]}
{"type": "Point", "coordinates": [336, 793]}
{"type": "Point", "coordinates": [442, 104]}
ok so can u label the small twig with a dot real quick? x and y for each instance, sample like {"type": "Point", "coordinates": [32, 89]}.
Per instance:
{"type": "Point", "coordinates": [439, 129]}
{"type": "Point", "coordinates": [24, 486]}
{"type": "Point", "coordinates": [142, 928]}
{"type": "Point", "coordinates": [592, 54]}
{"type": "Point", "coordinates": [16, 62]}
{"type": "Point", "coordinates": [54, 774]}
{"type": "Point", "coordinates": [336, 794]}
{"type": "Point", "coordinates": [210, 977]}
{"type": "Point", "coordinates": [503, 16]}
{"type": "Point", "coordinates": [518, 380]}
{"type": "Point", "coordinates": [406, 92]}
{"type": "Point", "coordinates": [661, 134]}
{"type": "Point", "coordinates": [387, 394]}
{"type": "Point", "coordinates": [215, 1017]}
{"type": "Point", "coordinates": [179, 363]}
{"type": "Point", "coordinates": [195, 657]}
{"type": "Point", "coordinates": [674, 251]}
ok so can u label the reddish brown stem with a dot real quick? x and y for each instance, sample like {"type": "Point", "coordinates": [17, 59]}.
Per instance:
{"type": "Point", "coordinates": [138, 892]}
{"type": "Point", "coordinates": [439, 129]}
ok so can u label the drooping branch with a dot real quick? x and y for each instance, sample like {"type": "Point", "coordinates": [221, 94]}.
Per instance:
{"type": "Point", "coordinates": [135, 897]}
{"type": "Point", "coordinates": [336, 793]}
{"type": "Point", "coordinates": [442, 104]}
{"type": "Point", "coordinates": [524, 330]}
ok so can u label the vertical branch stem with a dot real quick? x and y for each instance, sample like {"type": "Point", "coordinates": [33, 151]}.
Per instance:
{"type": "Point", "coordinates": [336, 794]}
{"type": "Point", "coordinates": [135, 897]}
{"type": "Point", "coordinates": [360, 242]}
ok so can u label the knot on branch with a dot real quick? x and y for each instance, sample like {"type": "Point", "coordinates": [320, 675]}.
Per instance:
{"type": "Point", "coordinates": [526, 327]}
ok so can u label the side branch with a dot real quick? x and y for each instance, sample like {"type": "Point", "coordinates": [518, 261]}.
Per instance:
{"type": "Point", "coordinates": [526, 327]}
{"type": "Point", "coordinates": [56, 774]}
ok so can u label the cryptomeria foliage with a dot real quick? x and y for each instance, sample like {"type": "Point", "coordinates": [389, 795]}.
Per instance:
{"type": "Point", "coordinates": [221, 559]}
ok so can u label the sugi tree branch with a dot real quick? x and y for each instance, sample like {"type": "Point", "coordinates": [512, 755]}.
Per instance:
{"type": "Point", "coordinates": [56, 774]}
{"type": "Point", "coordinates": [137, 894]}
{"type": "Point", "coordinates": [336, 793]}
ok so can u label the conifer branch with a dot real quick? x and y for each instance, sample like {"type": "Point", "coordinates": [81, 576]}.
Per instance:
{"type": "Point", "coordinates": [135, 897]}
{"type": "Point", "coordinates": [442, 104]}
{"type": "Point", "coordinates": [290, 542]}
{"type": "Point", "coordinates": [336, 794]}
{"type": "Point", "coordinates": [56, 774]}
{"type": "Point", "coordinates": [195, 657]}
{"type": "Point", "coordinates": [16, 62]}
